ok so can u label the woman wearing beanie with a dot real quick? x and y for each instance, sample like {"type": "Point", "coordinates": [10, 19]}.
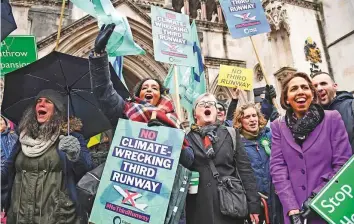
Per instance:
{"type": "Point", "coordinates": [45, 165]}
{"type": "Point", "coordinates": [149, 96]}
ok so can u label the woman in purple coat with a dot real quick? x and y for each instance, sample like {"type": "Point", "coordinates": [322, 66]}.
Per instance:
{"type": "Point", "coordinates": [309, 146]}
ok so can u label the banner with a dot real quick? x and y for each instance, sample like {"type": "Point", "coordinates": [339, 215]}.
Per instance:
{"type": "Point", "coordinates": [172, 37]}
{"type": "Point", "coordinates": [138, 176]}
{"type": "Point", "coordinates": [17, 52]}
{"type": "Point", "coordinates": [232, 76]}
{"type": "Point", "coordinates": [335, 202]}
{"type": "Point", "coordinates": [245, 17]}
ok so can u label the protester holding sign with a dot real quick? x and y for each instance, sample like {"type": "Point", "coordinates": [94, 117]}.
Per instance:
{"type": "Point", "coordinates": [149, 95]}
{"type": "Point", "coordinates": [309, 146]}
{"type": "Point", "coordinates": [219, 157]}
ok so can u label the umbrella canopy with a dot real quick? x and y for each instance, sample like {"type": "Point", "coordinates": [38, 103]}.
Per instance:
{"type": "Point", "coordinates": [66, 74]}
{"type": "Point", "coordinates": [8, 23]}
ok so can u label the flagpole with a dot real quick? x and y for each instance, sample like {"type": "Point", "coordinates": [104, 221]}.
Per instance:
{"type": "Point", "coordinates": [60, 23]}
{"type": "Point", "coordinates": [178, 104]}
{"type": "Point", "coordinates": [263, 71]}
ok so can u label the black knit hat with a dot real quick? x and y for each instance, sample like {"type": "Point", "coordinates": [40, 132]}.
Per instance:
{"type": "Point", "coordinates": [52, 95]}
{"type": "Point", "coordinates": [224, 106]}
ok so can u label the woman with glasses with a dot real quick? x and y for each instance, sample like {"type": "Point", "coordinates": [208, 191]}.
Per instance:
{"type": "Point", "coordinates": [212, 141]}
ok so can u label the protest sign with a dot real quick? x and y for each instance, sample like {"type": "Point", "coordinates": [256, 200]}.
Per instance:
{"type": "Point", "coordinates": [232, 76]}
{"type": "Point", "coordinates": [138, 176]}
{"type": "Point", "coordinates": [244, 17]}
{"type": "Point", "coordinates": [335, 202]}
{"type": "Point", "coordinates": [17, 52]}
{"type": "Point", "coordinates": [172, 37]}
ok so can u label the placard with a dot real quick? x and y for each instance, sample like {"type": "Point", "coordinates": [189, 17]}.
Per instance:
{"type": "Point", "coordinates": [232, 76]}
{"type": "Point", "coordinates": [138, 176]}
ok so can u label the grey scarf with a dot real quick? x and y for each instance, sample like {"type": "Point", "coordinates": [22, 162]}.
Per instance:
{"type": "Point", "coordinates": [36, 147]}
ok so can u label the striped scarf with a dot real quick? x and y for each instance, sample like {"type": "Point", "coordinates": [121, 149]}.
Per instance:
{"type": "Point", "coordinates": [141, 111]}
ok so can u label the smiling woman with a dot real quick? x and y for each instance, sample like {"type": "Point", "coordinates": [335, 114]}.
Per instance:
{"type": "Point", "coordinates": [309, 146]}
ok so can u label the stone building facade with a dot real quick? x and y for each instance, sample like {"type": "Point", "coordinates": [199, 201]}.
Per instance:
{"type": "Point", "coordinates": [305, 36]}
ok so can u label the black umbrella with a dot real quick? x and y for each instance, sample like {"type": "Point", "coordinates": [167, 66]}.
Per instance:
{"type": "Point", "coordinates": [8, 23]}
{"type": "Point", "coordinates": [66, 74]}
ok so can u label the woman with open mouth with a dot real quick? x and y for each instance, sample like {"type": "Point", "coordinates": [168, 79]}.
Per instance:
{"type": "Point", "coordinates": [309, 146]}
{"type": "Point", "coordinates": [256, 138]}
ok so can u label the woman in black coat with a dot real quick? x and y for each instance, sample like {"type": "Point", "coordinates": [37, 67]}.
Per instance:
{"type": "Point", "coordinates": [204, 207]}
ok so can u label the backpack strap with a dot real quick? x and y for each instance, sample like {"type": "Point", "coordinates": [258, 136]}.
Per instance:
{"type": "Point", "coordinates": [232, 132]}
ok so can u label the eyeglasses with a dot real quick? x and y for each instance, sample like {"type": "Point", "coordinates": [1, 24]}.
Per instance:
{"type": "Point", "coordinates": [206, 103]}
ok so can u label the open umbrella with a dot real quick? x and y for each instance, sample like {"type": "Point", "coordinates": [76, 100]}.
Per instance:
{"type": "Point", "coordinates": [66, 74]}
{"type": "Point", "coordinates": [8, 23]}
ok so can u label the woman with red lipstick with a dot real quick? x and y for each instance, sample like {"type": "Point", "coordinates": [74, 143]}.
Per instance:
{"type": "Point", "coordinates": [149, 95]}
{"type": "Point", "coordinates": [309, 146]}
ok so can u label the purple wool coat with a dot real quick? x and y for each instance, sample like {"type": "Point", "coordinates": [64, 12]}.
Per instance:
{"type": "Point", "coordinates": [298, 171]}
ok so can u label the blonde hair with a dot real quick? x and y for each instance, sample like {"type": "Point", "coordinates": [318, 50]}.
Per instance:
{"type": "Point", "coordinates": [240, 112]}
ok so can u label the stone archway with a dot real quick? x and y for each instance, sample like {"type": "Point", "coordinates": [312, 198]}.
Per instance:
{"type": "Point", "coordinates": [78, 40]}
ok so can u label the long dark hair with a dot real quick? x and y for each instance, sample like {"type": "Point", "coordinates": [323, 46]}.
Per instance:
{"type": "Point", "coordinates": [137, 88]}
{"type": "Point", "coordinates": [285, 88]}
{"type": "Point", "coordinates": [30, 126]}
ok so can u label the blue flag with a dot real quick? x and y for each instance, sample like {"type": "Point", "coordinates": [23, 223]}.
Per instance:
{"type": "Point", "coordinates": [117, 63]}
{"type": "Point", "coordinates": [121, 42]}
{"type": "Point", "coordinates": [191, 80]}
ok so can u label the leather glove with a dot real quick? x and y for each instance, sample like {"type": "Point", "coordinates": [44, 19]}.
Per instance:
{"type": "Point", "coordinates": [103, 37]}
{"type": "Point", "coordinates": [71, 146]}
{"type": "Point", "coordinates": [155, 122]}
{"type": "Point", "coordinates": [270, 93]}
{"type": "Point", "coordinates": [296, 219]}
{"type": "Point", "coordinates": [306, 211]}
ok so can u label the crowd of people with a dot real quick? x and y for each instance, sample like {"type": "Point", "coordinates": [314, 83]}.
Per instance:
{"type": "Point", "coordinates": [271, 165]}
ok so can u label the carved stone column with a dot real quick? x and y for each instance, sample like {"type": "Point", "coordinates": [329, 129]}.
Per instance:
{"type": "Point", "coordinates": [283, 73]}
{"type": "Point", "coordinates": [168, 4]}
{"type": "Point", "coordinates": [203, 7]}
{"type": "Point", "coordinates": [186, 7]}
{"type": "Point", "coordinates": [219, 10]}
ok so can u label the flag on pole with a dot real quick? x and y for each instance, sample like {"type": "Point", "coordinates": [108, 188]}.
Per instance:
{"type": "Point", "coordinates": [121, 41]}
{"type": "Point", "coordinates": [117, 63]}
{"type": "Point", "coordinates": [191, 80]}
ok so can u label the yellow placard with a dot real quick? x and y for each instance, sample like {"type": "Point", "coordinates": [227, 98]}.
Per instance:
{"type": "Point", "coordinates": [232, 76]}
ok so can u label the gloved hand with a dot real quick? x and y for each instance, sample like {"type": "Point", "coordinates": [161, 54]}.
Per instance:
{"type": "Point", "coordinates": [71, 146]}
{"type": "Point", "coordinates": [306, 211]}
{"type": "Point", "coordinates": [155, 122]}
{"type": "Point", "coordinates": [103, 37]}
{"type": "Point", "coordinates": [270, 93]}
{"type": "Point", "coordinates": [296, 219]}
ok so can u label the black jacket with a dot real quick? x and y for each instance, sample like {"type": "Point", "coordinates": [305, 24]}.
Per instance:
{"type": "Point", "coordinates": [343, 104]}
{"type": "Point", "coordinates": [204, 207]}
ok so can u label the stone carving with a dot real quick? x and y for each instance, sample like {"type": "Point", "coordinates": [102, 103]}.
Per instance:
{"type": "Point", "coordinates": [214, 18]}
{"type": "Point", "coordinates": [284, 72]}
{"type": "Point", "coordinates": [199, 14]}
{"type": "Point", "coordinates": [312, 54]}
{"type": "Point", "coordinates": [277, 16]}
{"type": "Point", "coordinates": [258, 72]}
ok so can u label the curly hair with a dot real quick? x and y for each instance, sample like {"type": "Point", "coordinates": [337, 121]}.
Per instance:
{"type": "Point", "coordinates": [137, 88]}
{"type": "Point", "coordinates": [33, 129]}
{"type": "Point", "coordinates": [240, 112]}
{"type": "Point", "coordinates": [285, 88]}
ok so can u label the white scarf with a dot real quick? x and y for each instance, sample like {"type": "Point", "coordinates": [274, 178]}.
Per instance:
{"type": "Point", "coordinates": [36, 147]}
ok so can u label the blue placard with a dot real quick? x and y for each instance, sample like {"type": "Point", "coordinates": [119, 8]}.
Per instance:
{"type": "Point", "coordinates": [245, 17]}
{"type": "Point", "coordinates": [172, 38]}
{"type": "Point", "coordinates": [137, 180]}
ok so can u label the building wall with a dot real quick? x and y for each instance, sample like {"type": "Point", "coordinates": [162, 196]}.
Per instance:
{"type": "Point", "coordinates": [338, 24]}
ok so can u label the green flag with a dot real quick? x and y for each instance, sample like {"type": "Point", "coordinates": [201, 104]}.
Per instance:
{"type": "Point", "coordinates": [121, 42]}
{"type": "Point", "coordinates": [191, 80]}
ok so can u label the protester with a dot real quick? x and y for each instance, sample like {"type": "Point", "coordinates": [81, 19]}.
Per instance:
{"type": "Point", "coordinates": [331, 99]}
{"type": "Point", "coordinates": [149, 95]}
{"type": "Point", "coordinates": [221, 114]}
{"type": "Point", "coordinates": [100, 150]}
{"type": "Point", "coordinates": [309, 145]}
{"type": "Point", "coordinates": [212, 141]}
{"type": "Point", "coordinates": [8, 140]}
{"type": "Point", "coordinates": [256, 139]}
{"type": "Point", "coordinates": [45, 165]}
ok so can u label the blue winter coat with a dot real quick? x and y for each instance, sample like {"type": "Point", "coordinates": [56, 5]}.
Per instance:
{"type": "Point", "coordinates": [259, 160]}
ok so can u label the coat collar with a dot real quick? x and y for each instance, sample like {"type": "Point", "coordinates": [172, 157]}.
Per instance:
{"type": "Point", "coordinates": [310, 140]}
